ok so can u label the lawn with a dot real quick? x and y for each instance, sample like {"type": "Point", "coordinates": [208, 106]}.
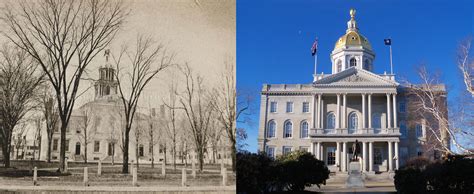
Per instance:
{"type": "Point", "coordinates": [21, 174]}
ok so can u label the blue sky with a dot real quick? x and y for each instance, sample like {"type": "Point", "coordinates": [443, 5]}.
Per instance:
{"type": "Point", "coordinates": [274, 40]}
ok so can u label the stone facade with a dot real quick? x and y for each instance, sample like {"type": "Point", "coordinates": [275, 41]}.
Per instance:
{"type": "Point", "coordinates": [327, 116]}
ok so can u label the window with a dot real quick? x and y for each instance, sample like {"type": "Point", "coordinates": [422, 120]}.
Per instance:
{"type": "Point", "coordinates": [67, 145]}
{"type": "Point", "coordinates": [289, 106]}
{"type": "Point", "coordinates": [419, 151]}
{"type": "Point", "coordinates": [367, 64]}
{"type": "Point", "coordinates": [378, 156]}
{"type": "Point", "coordinates": [273, 106]}
{"type": "Point", "coordinates": [403, 155]}
{"type": "Point", "coordinates": [96, 146]}
{"type": "Point", "coordinates": [304, 149]}
{"type": "Point", "coordinates": [353, 122]}
{"type": "Point", "coordinates": [304, 129]}
{"type": "Point", "coordinates": [331, 156]}
{"type": "Point", "coordinates": [339, 66]}
{"type": "Point", "coordinates": [403, 106]}
{"type": "Point", "coordinates": [403, 130]}
{"type": "Point", "coordinates": [140, 150]}
{"type": "Point", "coordinates": [353, 62]}
{"type": "Point", "coordinates": [286, 150]}
{"type": "Point", "coordinates": [288, 129]}
{"type": "Point", "coordinates": [419, 131]}
{"type": "Point", "coordinates": [376, 122]}
{"type": "Point", "coordinates": [270, 151]}
{"type": "Point", "coordinates": [271, 129]}
{"type": "Point", "coordinates": [55, 144]}
{"type": "Point", "coordinates": [331, 119]}
{"type": "Point", "coordinates": [305, 107]}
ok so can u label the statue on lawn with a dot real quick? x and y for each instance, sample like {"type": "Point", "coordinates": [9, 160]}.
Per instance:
{"type": "Point", "coordinates": [355, 151]}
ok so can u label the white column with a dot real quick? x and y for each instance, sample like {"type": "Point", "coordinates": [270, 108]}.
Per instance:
{"type": "Point", "coordinates": [394, 110]}
{"type": "Point", "coordinates": [344, 147]}
{"type": "Point", "coordinates": [319, 113]}
{"type": "Point", "coordinates": [313, 112]}
{"type": "Point", "coordinates": [396, 156]}
{"type": "Point", "coordinates": [344, 112]}
{"type": "Point", "coordinates": [338, 111]}
{"type": "Point", "coordinates": [318, 151]}
{"type": "Point", "coordinates": [312, 148]}
{"type": "Point", "coordinates": [338, 153]}
{"type": "Point", "coordinates": [322, 113]}
{"type": "Point", "coordinates": [364, 156]}
{"type": "Point", "coordinates": [390, 156]}
{"type": "Point", "coordinates": [389, 117]}
{"type": "Point", "coordinates": [321, 152]}
{"type": "Point", "coordinates": [363, 112]}
{"type": "Point", "coordinates": [371, 156]}
{"type": "Point", "coordinates": [370, 110]}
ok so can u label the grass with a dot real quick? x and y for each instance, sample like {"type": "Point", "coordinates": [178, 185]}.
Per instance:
{"type": "Point", "coordinates": [21, 174]}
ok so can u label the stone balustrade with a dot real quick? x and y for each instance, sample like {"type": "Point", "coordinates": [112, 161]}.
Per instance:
{"type": "Point", "coordinates": [365, 131]}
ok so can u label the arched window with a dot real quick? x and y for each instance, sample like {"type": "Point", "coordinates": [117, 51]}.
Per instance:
{"type": "Point", "coordinates": [331, 120]}
{"type": "Point", "coordinates": [271, 129]}
{"type": "Point", "coordinates": [304, 129]}
{"type": "Point", "coordinates": [367, 65]}
{"type": "Point", "coordinates": [339, 66]}
{"type": "Point", "coordinates": [403, 130]}
{"type": "Point", "coordinates": [353, 122]}
{"type": "Point", "coordinates": [288, 129]}
{"type": "Point", "coordinates": [353, 62]}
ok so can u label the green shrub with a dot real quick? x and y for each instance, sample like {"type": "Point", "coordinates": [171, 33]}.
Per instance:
{"type": "Point", "coordinates": [254, 172]}
{"type": "Point", "coordinates": [453, 175]}
{"type": "Point", "coordinates": [300, 169]}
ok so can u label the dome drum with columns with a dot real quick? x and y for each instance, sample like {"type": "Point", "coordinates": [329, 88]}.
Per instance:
{"type": "Point", "coordinates": [352, 49]}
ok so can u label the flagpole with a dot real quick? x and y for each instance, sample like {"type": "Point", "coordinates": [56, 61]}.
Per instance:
{"type": "Point", "coordinates": [315, 63]}
{"type": "Point", "coordinates": [391, 65]}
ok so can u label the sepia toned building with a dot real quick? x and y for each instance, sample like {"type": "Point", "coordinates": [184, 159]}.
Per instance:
{"type": "Point", "coordinates": [353, 103]}
{"type": "Point", "coordinates": [96, 128]}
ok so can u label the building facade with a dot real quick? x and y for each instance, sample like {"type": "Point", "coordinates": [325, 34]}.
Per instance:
{"type": "Point", "coordinates": [327, 116]}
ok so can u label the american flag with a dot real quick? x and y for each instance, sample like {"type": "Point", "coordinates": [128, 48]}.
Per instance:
{"type": "Point", "coordinates": [314, 48]}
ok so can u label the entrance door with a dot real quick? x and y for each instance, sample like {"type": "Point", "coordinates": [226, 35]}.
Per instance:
{"type": "Point", "coordinates": [331, 156]}
{"type": "Point", "coordinates": [78, 148]}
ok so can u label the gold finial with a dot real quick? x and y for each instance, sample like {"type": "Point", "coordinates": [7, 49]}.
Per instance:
{"type": "Point", "coordinates": [352, 12]}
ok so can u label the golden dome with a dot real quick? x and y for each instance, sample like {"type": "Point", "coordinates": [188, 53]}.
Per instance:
{"type": "Point", "coordinates": [352, 38]}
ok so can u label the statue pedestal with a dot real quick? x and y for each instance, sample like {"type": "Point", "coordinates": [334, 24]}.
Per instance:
{"type": "Point", "coordinates": [355, 177]}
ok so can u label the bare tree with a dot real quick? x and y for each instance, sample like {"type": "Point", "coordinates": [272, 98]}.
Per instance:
{"type": "Point", "coordinates": [153, 133]}
{"type": "Point", "coordinates": [228, 107]}
{"type": "Point", "coordinates": [37, 137]}
{"type": "Point", "coordinates": [88, 128]}
{"type": "Point", "coordinates": [50, 113]}
{"type": "Point", "coordinates": [142, 63]}
{"type": "Point", "coordinates": [466, 65]}
{"type": "Point", "coordinates": [170, 119]}
{"type": "Point", "coordinates": [63, 36]}
{"type": "Point", "coordinates": [215, 137]}
{"type": "Point", "coordinates": [20, 78]}
{"type": "Point", "coordinates": [196, 104]}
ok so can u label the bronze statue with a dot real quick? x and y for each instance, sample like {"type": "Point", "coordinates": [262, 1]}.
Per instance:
{"type": "Point", "coordinates": [355, 150]}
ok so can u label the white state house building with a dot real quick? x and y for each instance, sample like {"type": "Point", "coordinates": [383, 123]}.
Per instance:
{"type": "Point", "coordinates": [327, 116]}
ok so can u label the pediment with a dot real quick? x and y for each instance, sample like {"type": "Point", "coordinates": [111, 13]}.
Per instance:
{"type": "Point", "coordinates": [355, 77]}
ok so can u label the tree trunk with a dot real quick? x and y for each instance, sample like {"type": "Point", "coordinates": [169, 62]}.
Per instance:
{"type": "Point", "coordinates": [6, 155]}
{"type": "Point", "coordinates": [62, 152]}
{"type": "Point", "coordinates": [125, 154]}
{"type": "Point", "coordinates": [113, 153]}
{"type": "Point", "coordinates": [85, 153]}
{"type": "Point", "coordinates": [233, 152]}
{"type": "Point", "coordinates": [137, 154]}
{"type": "Point", "coordinates": [39, 149]}
{"type": "Point", "coordinates": [201, 158]}
{"type": "Point", "coordinates": [48, 155]}
{"type": "Point", "coordinates": [152, 157]}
